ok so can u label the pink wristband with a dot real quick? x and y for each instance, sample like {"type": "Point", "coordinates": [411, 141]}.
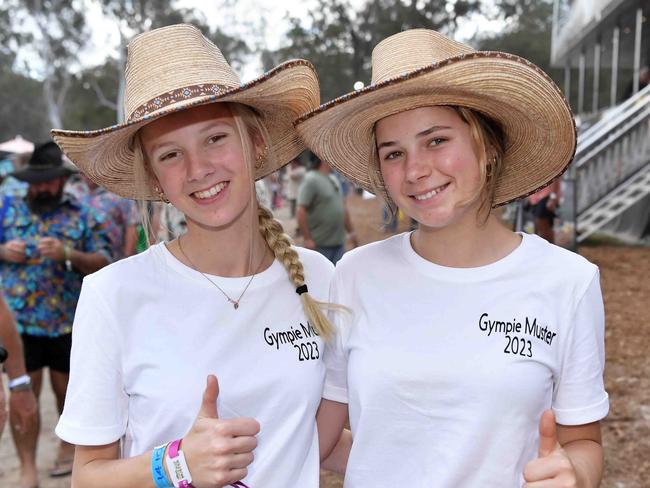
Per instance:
{"type": "Point", "coordinates": [176, 466]}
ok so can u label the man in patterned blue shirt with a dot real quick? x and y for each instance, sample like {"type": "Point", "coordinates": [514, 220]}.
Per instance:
{"type": "Point", "coordinates": [48, 242]}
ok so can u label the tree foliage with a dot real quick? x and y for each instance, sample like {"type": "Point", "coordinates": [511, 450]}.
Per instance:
{"type": "Point", "coordinates": [527, 32]}
{"type": "Point", "coordinates": [339, 39]}
{"type": "Point", "coordinates": [54, 31]}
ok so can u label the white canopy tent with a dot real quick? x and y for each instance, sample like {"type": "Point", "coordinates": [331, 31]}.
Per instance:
{"type": "Point", "coordinates": [17, 145]}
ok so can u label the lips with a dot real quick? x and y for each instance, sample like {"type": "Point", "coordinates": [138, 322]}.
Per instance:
{"type": "Point", "coordinates": [430, 194]}
{"type": "Point", "coordinates": [210, 192]}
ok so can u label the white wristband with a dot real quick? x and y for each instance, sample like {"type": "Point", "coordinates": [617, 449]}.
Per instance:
{"type": "Point", "coordinates": [20, 381]}
{"type": "Point", "coordinates": [179, 473]}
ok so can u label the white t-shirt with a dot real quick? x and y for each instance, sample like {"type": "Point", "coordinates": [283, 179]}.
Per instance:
{"type": "Point", "coordinates": [147, 332]}
{"type": "Point", "coordinates": [447, 370]}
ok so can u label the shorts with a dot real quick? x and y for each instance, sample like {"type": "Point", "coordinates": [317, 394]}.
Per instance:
{"type": "Point", "coordinates": [540, 211]}
{"type": "Point", "coordinates": [53, 352]}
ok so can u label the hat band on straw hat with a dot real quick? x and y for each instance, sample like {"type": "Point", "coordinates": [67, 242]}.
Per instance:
{"type": "Point", "coordinates": [175, 96]}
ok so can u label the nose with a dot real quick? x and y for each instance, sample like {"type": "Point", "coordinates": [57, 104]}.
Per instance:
{"type": "Point", "coordinates": [198, 165]}
{"type": "Point", "coordinates": [416, 168]}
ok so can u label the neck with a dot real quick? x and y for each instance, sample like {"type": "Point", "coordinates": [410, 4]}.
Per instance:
{"type": "Point", "coordinates": [467, 244]}
{"type": "Point", "coordinates": [230, 251]}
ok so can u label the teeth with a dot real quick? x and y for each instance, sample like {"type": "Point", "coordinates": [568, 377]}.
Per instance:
{"type": "Point", "coordinates": [428, 195]}
{"type": "Point", "coordinates": [211, 191]}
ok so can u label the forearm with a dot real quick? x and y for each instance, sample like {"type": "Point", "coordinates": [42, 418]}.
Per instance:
{"type": "Point", "coordinates": [337, 460]}
{"type": "Point", "coordinates": [15, 365]}
{"type": "Point", "coordinates": [587, 459]}
{"type": "Point", "coordinates": [134, 472]}
{"type": "Point", "coordinates": [87, 262]}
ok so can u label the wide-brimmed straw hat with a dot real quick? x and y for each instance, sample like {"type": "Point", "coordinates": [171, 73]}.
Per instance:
{"type": "Point", "coordinates": [46, 163]}
{"type": "Point", "coordinates": [174, 68]}
{"type": "Point", "coordinates": [421, 67]}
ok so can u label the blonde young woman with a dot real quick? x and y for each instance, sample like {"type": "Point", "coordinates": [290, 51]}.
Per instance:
{"type": "Point", "coordinates": [474, 356]}
{"type": "Point", "coordinates": [199, 362]}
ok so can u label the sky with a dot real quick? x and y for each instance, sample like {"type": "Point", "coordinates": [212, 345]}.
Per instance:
{"type": "Point", "coordinates": [238, 20]}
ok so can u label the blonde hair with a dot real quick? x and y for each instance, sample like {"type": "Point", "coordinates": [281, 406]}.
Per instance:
{"type": "Point", "coordinates": [254, 134]}
{"type": "Point", "coordinates": [489, 144]}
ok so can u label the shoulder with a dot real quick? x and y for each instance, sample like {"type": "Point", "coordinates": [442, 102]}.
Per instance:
{"type": "Point", "coordinates": [551, 259]}
{"type": "Point", "coordinates": [139, 268]}
{"type": "Point", "coordinates": [371, 254]}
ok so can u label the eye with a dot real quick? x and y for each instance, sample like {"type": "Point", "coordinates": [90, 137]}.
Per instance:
{"type": "Point", "coordinates": [169, 156]}
{"type": "Point", "coordinates": [392, 155]}
{"type": "Point", "coordinates": [215, 138]}
{"type": "Point", "coordinates": [436, 141]}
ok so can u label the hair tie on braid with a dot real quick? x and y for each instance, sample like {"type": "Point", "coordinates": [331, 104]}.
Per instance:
{"type": "Point", "coordinates": [301, 289]}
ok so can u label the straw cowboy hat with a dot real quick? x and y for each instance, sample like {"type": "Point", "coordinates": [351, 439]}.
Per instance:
{"type": "Point", "coordinates": [45, 164]}
{"type": "Point", "coordinates": [174, 68]}
{"type": "Point", "coordinates": [421, 67]}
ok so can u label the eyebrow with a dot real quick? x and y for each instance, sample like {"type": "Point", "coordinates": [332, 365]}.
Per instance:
{"type": "Point", "coordinates": [203, 130]}
{"type": "Point", "coordinates": [425, 132]}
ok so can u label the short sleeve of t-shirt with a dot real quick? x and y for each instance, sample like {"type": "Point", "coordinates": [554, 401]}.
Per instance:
{"type": "Point", "coordinates": [336, 363]}
{"type": "Point", "coordinates": [580, 395]}
{"type": "Point", "coordinates": [95, 411]}
{"type": "Point", "coordinates": [307, 192]}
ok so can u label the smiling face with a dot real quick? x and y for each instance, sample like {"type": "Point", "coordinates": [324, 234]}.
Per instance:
{"type": "Point", "coordinates": [431, 166]}
{"type": "Point", "coordinates": [198, 159]}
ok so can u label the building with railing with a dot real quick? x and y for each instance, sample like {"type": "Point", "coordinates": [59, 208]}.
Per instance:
{"type": "Point", "coordinates": [604, 48]}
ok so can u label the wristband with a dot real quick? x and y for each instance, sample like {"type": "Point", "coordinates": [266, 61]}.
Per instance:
{"type": "Point", "coordinates": [177, 467]}
{"type": "Point", "coordinates": [23, 382]}
{"type": "Point", "coordinates": [158, 474]}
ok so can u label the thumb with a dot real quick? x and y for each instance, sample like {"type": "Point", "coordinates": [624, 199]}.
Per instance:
{"type": "Point", "coordinates": [547, 434]}
{"type": "Point", "coordinates": [209, 403]}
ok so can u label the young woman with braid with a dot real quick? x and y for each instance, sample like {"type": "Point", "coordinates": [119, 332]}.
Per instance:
{"type": "Point", "coordinates": [231, 299]}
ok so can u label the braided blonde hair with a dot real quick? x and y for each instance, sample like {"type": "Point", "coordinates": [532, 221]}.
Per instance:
{"type": "Point", "coordinates": [249, 124]}
{"type": "Point", "coordinates": [280, 244]}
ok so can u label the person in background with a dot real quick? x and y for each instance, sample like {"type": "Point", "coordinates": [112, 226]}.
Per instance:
{"type": "Point", "coordinates": [322, 214]}
{"type": "Point", "coordinates": [543, 206]}
{"type": "Point", "coordinates": [644, 80]}
{"type": "Point", "coordinates": [48, 242]}
{"type": "Point", "coordinates": [121, 214]}
{"type": "Point", "coordinates": [294, 174]}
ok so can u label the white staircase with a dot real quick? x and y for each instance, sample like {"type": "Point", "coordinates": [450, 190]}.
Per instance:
{"type": "Point", "coordinates": [611, 168]}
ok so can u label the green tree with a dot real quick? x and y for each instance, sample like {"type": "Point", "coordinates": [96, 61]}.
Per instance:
{"type": "Point", "coordinates": [53, 31]}
{"type": "Point", "coordinates": [527, 32]}
{"type": "Point", "coordinates": [339, 39]}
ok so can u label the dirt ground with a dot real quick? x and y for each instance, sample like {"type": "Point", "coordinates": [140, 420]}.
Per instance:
{"type": "Point", "coordinates": [626, 431]}
{"type": "Point", "coordinates": [625, 281]}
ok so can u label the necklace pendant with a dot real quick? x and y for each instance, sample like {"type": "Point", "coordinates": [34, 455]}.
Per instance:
{"type": "Point", "coordinates": [235, 305]}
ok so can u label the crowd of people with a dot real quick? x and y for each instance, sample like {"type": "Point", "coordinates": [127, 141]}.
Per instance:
{"type": "Point", "coordinates": [190, 342]}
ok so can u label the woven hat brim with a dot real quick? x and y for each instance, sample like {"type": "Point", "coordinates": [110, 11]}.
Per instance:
{"type": "Point", "coordinates": [535, 117]}
{"type": "Point", "coordinates": [31, 175]}
{"type": "Point", "coordinates": [279, 96]}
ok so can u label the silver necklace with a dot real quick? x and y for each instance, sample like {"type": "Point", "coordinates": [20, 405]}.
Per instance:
{"type": "Point", "coordinates": [235, 303]}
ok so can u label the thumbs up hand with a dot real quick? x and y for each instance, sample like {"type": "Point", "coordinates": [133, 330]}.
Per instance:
{"type": "Point", "coordinates": [218, 451]}
{"type": "Point", "coordinates": [552, 468]}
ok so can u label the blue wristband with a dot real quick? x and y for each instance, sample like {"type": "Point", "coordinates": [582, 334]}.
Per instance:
{"type": "Point", "coordinates": [158, 474]}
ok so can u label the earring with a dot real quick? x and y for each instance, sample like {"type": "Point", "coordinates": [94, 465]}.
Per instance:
{"type": "Point", "coordinates": [161, 194]}
{"type": "Point", "coordinates": [490, 166]}
{"type": "Point", "coordinates": [259, 160]}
